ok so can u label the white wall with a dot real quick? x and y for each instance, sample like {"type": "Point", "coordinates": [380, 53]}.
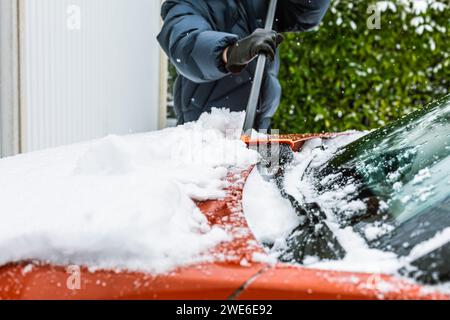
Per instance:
{"type": "Point", "coordinates": [9, 79]}
{"type": "Point", "coordinates": [88, 68]}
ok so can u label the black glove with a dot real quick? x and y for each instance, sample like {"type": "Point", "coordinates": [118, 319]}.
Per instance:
{"type": "Point", "coordinates": [244, 51]}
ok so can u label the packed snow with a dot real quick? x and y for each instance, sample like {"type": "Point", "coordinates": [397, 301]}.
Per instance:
{"type": "Point", "coordinates": [121, 202]}
{"type": "Point", "coordinates": [270, 217]}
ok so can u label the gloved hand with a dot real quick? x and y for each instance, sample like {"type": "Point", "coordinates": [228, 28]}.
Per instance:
{"type": "Point", "coordinates": [239, 55]}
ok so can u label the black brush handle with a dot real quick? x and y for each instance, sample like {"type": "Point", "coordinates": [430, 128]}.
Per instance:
{"type": "Point", "coordinates": [252, 105]}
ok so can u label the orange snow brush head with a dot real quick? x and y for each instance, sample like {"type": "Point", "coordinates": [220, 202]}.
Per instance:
{"type": "Point", "coordinates": [294, 141]}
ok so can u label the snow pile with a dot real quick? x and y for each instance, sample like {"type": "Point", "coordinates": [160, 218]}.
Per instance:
{"type": "Point", "coordinates": [270, 217]}
{"type": "Point", "coordinates": [120, 202]}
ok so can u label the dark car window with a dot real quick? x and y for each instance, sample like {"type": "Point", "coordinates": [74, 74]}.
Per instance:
{"type": "Point", "coordinates": [402, 174]}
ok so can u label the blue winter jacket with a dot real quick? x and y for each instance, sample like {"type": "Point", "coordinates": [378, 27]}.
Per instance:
{"type": "Point", "coordinates": [194, 35]}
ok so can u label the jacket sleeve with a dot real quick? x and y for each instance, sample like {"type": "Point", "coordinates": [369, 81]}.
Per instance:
{"type": "Point", "coordinates": [300, 15]}
{"type": "Point", "coordinates": [191, 44]}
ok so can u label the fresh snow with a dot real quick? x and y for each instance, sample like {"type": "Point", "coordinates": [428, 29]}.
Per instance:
{"type": "Point", "coordinates": [359, 258]}
{"type": "Point", "coordinates": [272, 225]}
{"type": "Point", "coordinates": [270, 217]}
{"type": "Point", "coordinates": [127, 203]}
{"type": "Point", "coordinates": [121, 202]}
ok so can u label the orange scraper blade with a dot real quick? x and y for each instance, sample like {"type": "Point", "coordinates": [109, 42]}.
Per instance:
{"type": "Point", "coordinates": [295, 141]}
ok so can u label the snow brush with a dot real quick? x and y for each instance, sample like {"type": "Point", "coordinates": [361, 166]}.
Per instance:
{"type": "Point", "coordinates": [252, 105]}
{"type": "Point", "coordinates": [277, 154]}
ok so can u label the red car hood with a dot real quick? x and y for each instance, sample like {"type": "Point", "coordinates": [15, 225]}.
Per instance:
{"type": "Point", "coordinates": [236, 271]}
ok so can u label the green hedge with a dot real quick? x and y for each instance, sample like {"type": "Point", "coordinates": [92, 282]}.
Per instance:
{"type": "Point", "coordinates": [345, 76]}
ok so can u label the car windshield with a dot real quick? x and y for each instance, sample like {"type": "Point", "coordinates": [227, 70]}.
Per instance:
{"type": "Point", "coordinates": [401, 175]}
{"type": "Point", "coordinates": [407, 164]}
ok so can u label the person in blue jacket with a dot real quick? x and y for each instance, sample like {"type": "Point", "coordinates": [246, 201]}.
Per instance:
{"type": "Point", "coordinates": [213, 43]}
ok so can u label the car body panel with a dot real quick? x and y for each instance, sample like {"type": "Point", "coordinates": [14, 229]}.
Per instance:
{"type": "Point", "coordinates": [236, 271]}
{"type": "Point", "coordinates": [287, 282]}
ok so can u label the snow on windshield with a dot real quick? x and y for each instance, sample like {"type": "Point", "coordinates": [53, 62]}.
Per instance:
{"type": "Point", "coordinates": [272, 223]}
{"type": "Point", "coordinates": [120, 202]}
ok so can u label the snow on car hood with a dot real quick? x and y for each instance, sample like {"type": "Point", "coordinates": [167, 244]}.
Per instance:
{"type": "Point", "coordinates": [120, 202]}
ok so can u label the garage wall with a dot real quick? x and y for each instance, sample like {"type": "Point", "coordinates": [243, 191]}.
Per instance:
{"type": "Point", "coordinates": [89, 68]}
